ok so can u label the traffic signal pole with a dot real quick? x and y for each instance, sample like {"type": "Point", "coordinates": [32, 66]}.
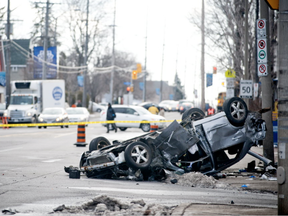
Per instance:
{"type": "Point", "coordinates": [282, 170]}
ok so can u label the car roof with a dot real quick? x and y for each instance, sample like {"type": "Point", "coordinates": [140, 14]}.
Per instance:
{"type": "Point", "coordinates": [126, 106]}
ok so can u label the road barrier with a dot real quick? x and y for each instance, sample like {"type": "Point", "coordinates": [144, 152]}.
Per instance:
{"type": "Point", "coordinates": [81, 140]}
{"type": "Point", "coordinates": [153, 128]}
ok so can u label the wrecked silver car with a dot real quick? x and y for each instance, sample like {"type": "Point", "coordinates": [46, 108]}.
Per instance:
{"type": "Point", "coordinates": [198, 143]}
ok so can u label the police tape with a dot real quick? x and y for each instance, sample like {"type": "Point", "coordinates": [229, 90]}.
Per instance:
{"type": "Point", "coordinates": [79, 123]}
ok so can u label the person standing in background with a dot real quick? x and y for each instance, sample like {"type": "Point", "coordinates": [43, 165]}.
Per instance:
{"type": "Point", "coordinates": [153, 110]}
{"type": "Point", "coordinates": [162, 112]}
{"type": "Point", "coordinates": [110, 117]}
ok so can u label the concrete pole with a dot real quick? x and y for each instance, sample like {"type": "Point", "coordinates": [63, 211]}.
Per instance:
{"type": "Point", "coordinates": [44, 65]}
{"type": "Point", "coordinates": [85, 58]}
{"type": "Point", "coordinates": [113, 56]}
{"type": "Point", "coordinates": [162, 66]}
{"type": "Point", "coordinates": [266, 82]}
{"type": "Point", "coordinates": [8, 59]}
{"type": "Point", "coordinates": [203, 59]}
{"type": "Point", "coordinates": [145, 61]}
{"type": "Point", "coordinates": [282, 171]}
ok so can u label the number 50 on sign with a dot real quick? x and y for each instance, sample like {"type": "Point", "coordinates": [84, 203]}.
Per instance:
{"type": "Point", "coordinates": [246, 89]}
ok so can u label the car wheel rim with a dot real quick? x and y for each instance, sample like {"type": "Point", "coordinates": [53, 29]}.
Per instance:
{"type": "Point", "coordinates": [237, 110]}
{"type": "Point", "coordinates": [146, 127]}
{"type": "Point", "coordinates": [139, 154]}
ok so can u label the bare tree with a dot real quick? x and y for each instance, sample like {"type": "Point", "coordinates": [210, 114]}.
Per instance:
{"type": "Point", "coordinates": [2, 14]}
{"type": "Point", "coordinates": [99, 84]}
{"type": "Point", "coordinates": [225, 28]}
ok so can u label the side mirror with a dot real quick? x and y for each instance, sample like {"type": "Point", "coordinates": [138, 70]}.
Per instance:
{"type": "Point", "coordinates": [135, 113]}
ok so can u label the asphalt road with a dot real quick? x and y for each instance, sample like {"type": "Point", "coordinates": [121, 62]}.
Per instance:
{"type": "Point", "coordinates": [33, 179]}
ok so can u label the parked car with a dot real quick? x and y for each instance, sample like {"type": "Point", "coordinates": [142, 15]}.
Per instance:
{"type": "Point", "coordinates": [184, 101]}
{"type": "Point", "coordinates": [53, 115]}
{"type": "Point", "coordinates": [147, 105]}
{"type": "Point", "coordinates": [185, 106]}
{"type": "Point", "coordinates": [173, 106]}
{"type": "Point", "coordinates": [167, 105]}
{"type": "Point", "coordinates": [196, 144]}
{"type": "Point", "coordinates": [78, 114]}
{"type": "Point", "coordinates": [94, 107]}
{"type": "Point", "coordinates": [133, 113]}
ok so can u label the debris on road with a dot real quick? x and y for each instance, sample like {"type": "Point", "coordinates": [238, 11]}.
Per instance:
{"type": "Point", "coordinates": [104, 205]}
{"type": "Point", "coordinates": [196, 179]}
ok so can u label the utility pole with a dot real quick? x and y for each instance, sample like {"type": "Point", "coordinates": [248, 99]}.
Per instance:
{"type": "Point", "coordinates": [85, 58]}
{"type": "Point", "coordinates": [246, 75]}
{"type": "Point", "coordinates": [145, 61]}
{"type": "Point", "coordinates": [161, 81]}
{"type": "Point", "coordinates": [113, 56]}
{"type": "Point", "coordinates": [266, 82]}
{"type": "Point", "coordinates": [46, 41]}
{"type": "Point", "coordinates": [203, 59]}
{"type": "Point", "coordinates": [8, 59]}
{"type": "Point", "coordinates": [282, 171]}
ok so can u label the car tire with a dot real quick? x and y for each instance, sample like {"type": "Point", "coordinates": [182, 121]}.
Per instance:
{"type": "Point", "coordinates": [62, 126]}
{"type": "Point", "coordinates": [45, 127]}
{"type": "Point", "coordinates": [236, 111]}
{"type": "Point", "coordinates": [145, 127]}
{"type": "Point", "coordinates": [67, 126]}
{"type": "Point", "coordinates": [98, 143]}
{"type": "Point", "coordinates": [39, 127]}
{"type": "Point", "coordinates": [138, 155]}
{"type": "Point", "coordinates": [122, 128]}
{"type": "Point", "coordinates": [193, 114]}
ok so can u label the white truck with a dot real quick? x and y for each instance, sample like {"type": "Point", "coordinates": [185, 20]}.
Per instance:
{"type": "Point", "coordinates": [30, 97]}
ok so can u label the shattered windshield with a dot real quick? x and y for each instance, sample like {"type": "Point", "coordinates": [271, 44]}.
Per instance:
{"type": "Point", "coordinates": [21, 100]}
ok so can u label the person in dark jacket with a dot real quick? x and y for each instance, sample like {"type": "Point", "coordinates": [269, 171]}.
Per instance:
{"type": "Point", "coordinates": [110, 117]}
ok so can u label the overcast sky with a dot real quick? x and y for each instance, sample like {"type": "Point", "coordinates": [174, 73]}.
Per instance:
{"type": "Point", "coordinates": [167, 23]}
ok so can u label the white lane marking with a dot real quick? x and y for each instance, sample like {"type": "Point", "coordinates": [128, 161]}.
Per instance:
{"type": "Point", "coordinates": [52, 161]}
{"type": "Point", "coordinates": [12, 149]}
{"type": "Point", "coordinates": [66, 134]}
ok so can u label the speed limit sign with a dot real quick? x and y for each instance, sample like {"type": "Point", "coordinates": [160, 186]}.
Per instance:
{"type": "Point", "coordinates": [246, 90]}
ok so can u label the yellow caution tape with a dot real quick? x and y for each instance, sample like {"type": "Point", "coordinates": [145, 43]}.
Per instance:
{"type": "Point", "coordinates": [78, 123]}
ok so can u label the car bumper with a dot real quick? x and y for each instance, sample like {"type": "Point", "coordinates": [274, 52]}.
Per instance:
{"type": "Point", "coordinates": [20, 120]}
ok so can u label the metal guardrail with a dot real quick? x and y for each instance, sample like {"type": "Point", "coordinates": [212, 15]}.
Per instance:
{"type": "Point", "coordinates": [77, 123]}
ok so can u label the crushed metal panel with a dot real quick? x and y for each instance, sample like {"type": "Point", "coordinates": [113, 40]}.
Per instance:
{"type": "Point", "coordinates": [175, 140]}
{"type": "Point", "coordinates": [221, 134]}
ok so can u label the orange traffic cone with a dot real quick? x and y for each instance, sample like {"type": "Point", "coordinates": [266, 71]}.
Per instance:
{"type": "Point", "coordinates": [81, 136]}
{"type": "Point", "coordinates": [153, 128]}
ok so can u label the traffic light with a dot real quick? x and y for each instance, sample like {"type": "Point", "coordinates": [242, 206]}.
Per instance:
{"type": "Point", "coordinates": [214, 70]}
{"type": "Point", "coordinates": [139, 68]}
{"type": "Point", "coordinates": [134, 74]}
{"type": "Point", "coordinates": [128, 89]}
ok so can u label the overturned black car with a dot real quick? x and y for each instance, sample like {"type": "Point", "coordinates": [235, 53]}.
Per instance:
{"type": "Point", "coordinates": [198, 143]}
